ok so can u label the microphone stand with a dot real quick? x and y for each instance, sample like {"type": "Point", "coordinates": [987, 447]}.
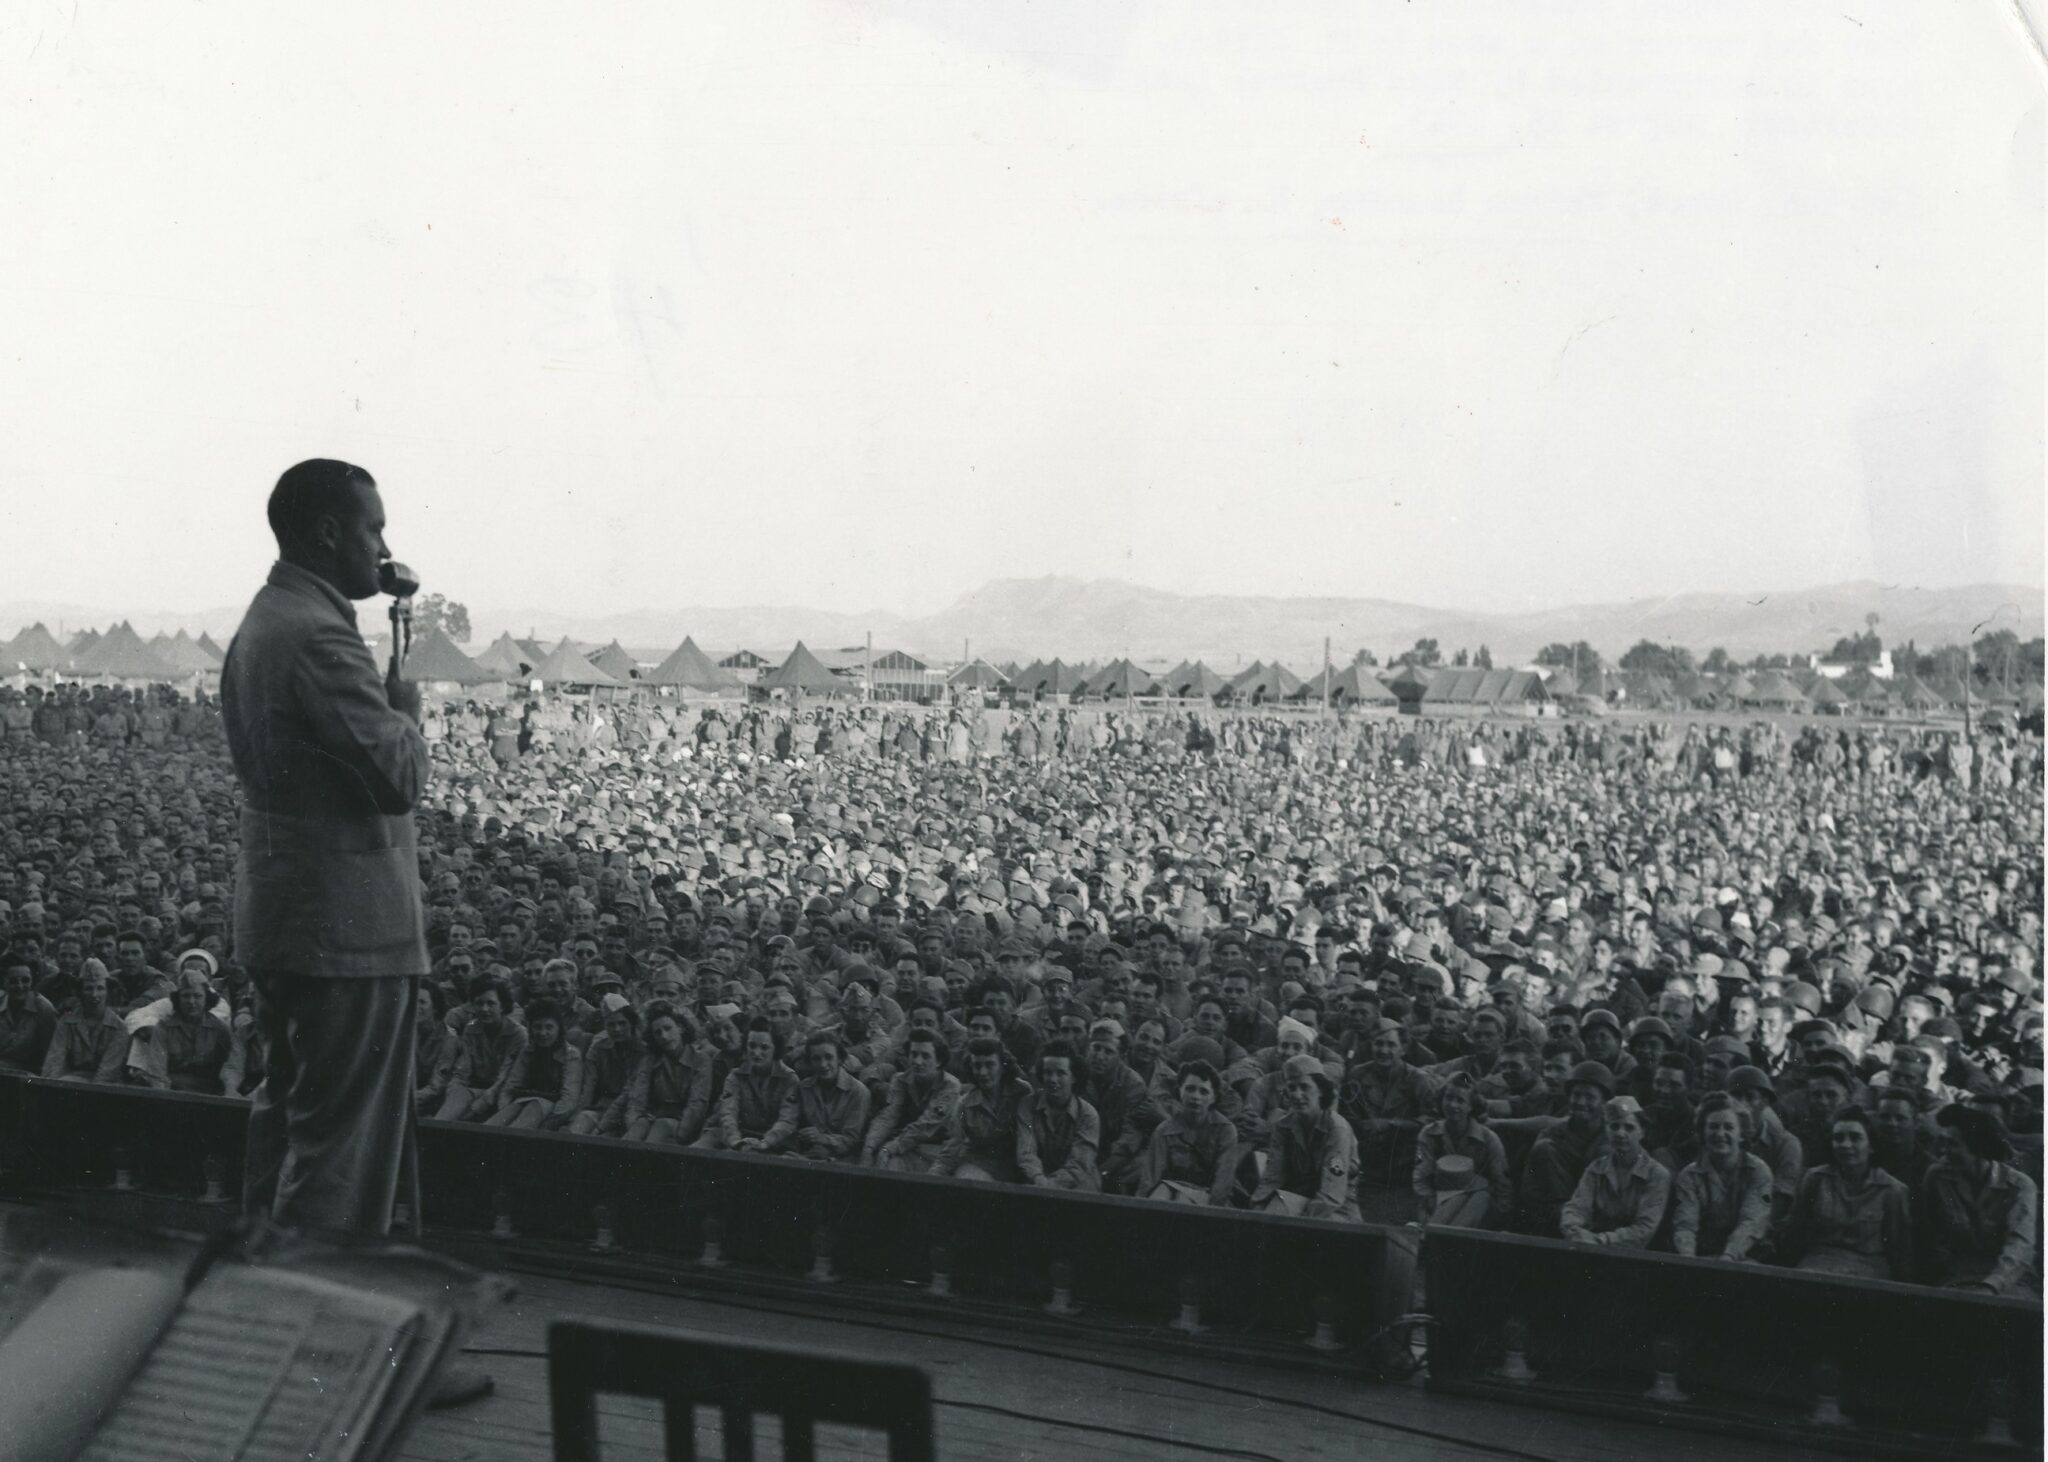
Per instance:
{"type": "Point", "coordinates": [401, 631]}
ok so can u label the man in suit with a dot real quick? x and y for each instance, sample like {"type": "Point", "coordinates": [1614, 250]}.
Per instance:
{"type": "Point", "coordinates": [328, 908]}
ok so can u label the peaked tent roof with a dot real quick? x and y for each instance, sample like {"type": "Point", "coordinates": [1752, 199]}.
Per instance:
{"type": "Point", "coordinates": [506, 657]}
{"type": "Point", "coordinates": [1120, 679]}
{"type": "Point", "coordinates": [1697, 687]}
{"type": "Point", "coordinates": [1357, 683]}
{"type": "Point", "coordinates": [979, 675]}
{"type": "Point", "coordinates": [689, 668]}
{"type": "Point", "coordinates": [1273, 682]}
{"type": "Point", "coordinates": [615, 662]}
{"type": "Point", "coordinates": [1562, 683]}
{"type": "Point", "coordinates": [121, 655]}
{"type": "Point", "coordinates": [1825, 692]}
{"type": "Point", "coordinates": [1194, 680]}
{"type": "Point", "coordinates": [1860, 686]}
{"type": "Point", "coordinates": [563, 666]}
{"type": "Point", "coordinates": [534, 651]}
{"type": "Point", "coordinates": [1775, 687]}
{"type": "Point", "coordinates": [207, 646]}
{"type": "Point", "coordinates": [433, 656]}
{"type": "Point", "coordinates": [1738, 687]}
{"type": "Point", "coordinates": [1050, 677]}
{"type": "Point", "coordinates": [803, 671]}
{"type": "Point", "coordinates": [36, 648]}
{"type": "Point", "coordinates": [1911, 690]}
{"type": "Point", "coordinates": [84, 640]}
{"type": "Point", "coordinates": [182, 654]}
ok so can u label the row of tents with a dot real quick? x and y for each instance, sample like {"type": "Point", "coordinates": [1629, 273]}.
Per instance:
{"type": "Point", "coordinates": [122, 654]}
{"type": "Point", "coordinates": [119, 654]}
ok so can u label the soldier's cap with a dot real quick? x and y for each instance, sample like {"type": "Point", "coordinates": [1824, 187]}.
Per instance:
{"type": "Point", "coordinates": [614, 1002]}
{"type": "Point", "coordinates": [1803, 996]}
{"type": "Point", "coordinates": [1591, 1073]}
{"type": "Point", "coordinates": [1813, 1026]}
{"type": "Point", "coordinates": [1751, 1078]}
{"type": "Point", "coordinates": [1600, 1017]}
{"type": "Point", "coordinates": [1729, 1046]}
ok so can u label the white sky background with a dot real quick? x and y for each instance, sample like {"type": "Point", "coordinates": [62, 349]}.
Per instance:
{"type": "Point", "coordinates": [1493, 305]}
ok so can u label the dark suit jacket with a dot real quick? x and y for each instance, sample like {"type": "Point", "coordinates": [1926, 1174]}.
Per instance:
{"type": "Point", "coordinates": [328, 881]}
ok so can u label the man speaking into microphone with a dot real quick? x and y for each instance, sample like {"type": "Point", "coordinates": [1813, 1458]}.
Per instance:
{"type": "Point", "coordinates": [329, 919]}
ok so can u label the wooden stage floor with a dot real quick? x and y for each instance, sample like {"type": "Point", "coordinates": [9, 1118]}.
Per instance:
{"type": "Point", "coordinates": [1030, 1396]}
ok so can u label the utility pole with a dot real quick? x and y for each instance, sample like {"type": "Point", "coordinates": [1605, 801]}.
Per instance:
{"type": "Point", "coordinates": [1326, 677]}
{"type": "Point", "coordinates": [868, 680]}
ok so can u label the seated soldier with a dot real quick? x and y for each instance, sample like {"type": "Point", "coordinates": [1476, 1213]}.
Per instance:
{"type": "Point", "coordinates": [1849, 1216]}
{"type": "Point", "coordinates": [91, 1042]}
{"type": "Point", "coordinates": [27, 1020]}
{"type": "Point", "coordinates": [1312, 1156]}
{"type": "Point", "coordinates": [1721, 1203]}
{"type": "Point", "coordinates": [1516, 1088]}
{"type": "Point", "coordinates": [190, 1046]}
{"type": "Point", "coordinates": [1622, 1196]}
{"type": "Point", "coordinates": [1058, 1133]}
{"type": "Point", "coordinates": [1560, 1157]}
{"type": "Point", "coordinates": [1386, 1102]}
{"type": "Point", "coordinates": [1903, 1149]}
{"type": "Point", "coordinates": [546, 1076]}
{"type": "Point", "coordinates": [831, 1103]}
{"type": "Point", "coordinates": [1123, 1102]}
{"type": "Point", "coordinates": [484, 1054]}
{"type": "Point", "coordinates": [910, 1132]}
{"type": "Point", "coordinates": [757, 1108]}
{"type": "Point", "coordinates": [1977, 1214]}
{"type": "Point", "coordinates": [1780, 1150]}
{"type": "Point", "coordinates": [981, 1135]}
{"type": "Point", "coordinates": [1191, 1156]}
{"type": "Point", "coordinates": [608, 1066]}
{"type": "Point", "coordinates": [1483, 1194]}
{"type": "Point", "coordinates": [433, 1043]}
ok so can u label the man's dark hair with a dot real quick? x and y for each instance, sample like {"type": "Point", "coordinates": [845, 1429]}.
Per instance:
{"type": "Point", "coordinates": [1061, 1047]}
{"type": "Point", "coordinates": [314, 489]}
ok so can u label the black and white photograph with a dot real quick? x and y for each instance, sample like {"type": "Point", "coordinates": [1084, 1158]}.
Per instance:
{"type": "Point", "coordinates": [1023, 731]}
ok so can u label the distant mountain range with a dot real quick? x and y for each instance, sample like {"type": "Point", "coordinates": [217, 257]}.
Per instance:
{"type": "Point", "coordinates": [1083, 619]}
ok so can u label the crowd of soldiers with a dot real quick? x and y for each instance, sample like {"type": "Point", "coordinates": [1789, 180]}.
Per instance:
{"type": "Point", "coordinates": [1758, 990]}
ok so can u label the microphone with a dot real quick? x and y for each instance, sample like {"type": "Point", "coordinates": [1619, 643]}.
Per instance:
{"type": "Point", "coordinates": [401, 584]}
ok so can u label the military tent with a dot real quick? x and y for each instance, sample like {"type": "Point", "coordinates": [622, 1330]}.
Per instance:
{"type": "Point", "coordinates": [1824, 694]}
{"type": "Point", "coordinates": [563, 666]}
{"type": "Point", "coordinates": [615, 662]}
{"type": "Point", "coordinates": [119, 654]}
{"type": "Point", "coordinates": [977, 675]}
{"type": "Point", "coordinates": [432, 656]}
{"type": "Point", "coordinates": [1050, 678]}
{"type": "Point", "coordinates": [1915, 695]}
{"type": "Point", "coordinates": [1356, 685]}
{"type": "Point", "coordinates": [507, 658]}
{"type": "Point", "coordinates": [1120, 680]}
{"type": "Point", "coordinates": [206, 644]}
{"type": "Point", "coordinates": [84, 640]}
{"type": "Point", "coordinates": [183, 654]}
{"type": "Point", "coordinates": [803, 671]}
{"type": "Point", "coordinates": [1260, 683]}
{"type": "Point", "coordinates": [1194, 681]}
{"type": "Point", "coordinates": [1775, 688]}
{"type": "Point", "coordinates": [689, 668]}
{"type": "Point", "coordinates": [35, 648]}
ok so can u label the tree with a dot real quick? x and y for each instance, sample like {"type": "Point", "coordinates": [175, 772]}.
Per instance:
{"type": "Point", "coordinates": [1658, 659]}
{"type": "Point", "coordinates": [1424, 653]}
{"type": "Point", "coordinates": [1484, 659]}
{"type": "Point", "coordinates": [1861, 649]}
{"type": "Point", "coordinates": [1462, 659]}
{"type": "Point", "coordinates": [437, 611]}
{"type": "Point", "coordinates": [1717, 661]}
{"type": "Point", "coordinates": [1364, 659]}
{"type": "Point", "coordinates": [1576, 656]}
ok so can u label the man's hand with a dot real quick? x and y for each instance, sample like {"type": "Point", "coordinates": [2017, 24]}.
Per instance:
{"type": "Point", "coordinates": [402, 695]}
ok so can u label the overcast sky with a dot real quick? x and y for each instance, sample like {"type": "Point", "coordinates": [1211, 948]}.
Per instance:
{"type": "Point", "coordinates": [1491, 305]}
